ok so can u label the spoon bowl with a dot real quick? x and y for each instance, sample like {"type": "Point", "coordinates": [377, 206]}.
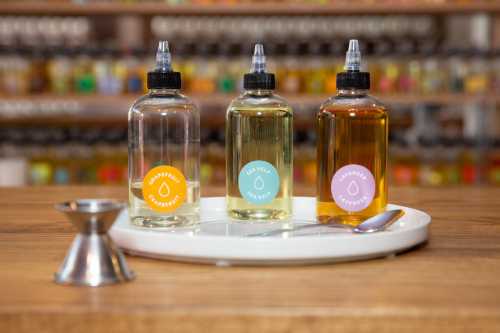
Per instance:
{"type": "Point", "coordinates": [379, 222]}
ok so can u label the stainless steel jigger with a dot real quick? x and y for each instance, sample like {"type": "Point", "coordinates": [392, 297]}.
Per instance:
{"type": "Point", "coordinates": [93, 259]}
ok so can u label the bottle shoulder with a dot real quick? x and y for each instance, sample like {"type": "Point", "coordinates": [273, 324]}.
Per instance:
{"type": "Point", "coordinates": [352, 103]}
{"type": "Point", "coordinates": [149, 104]}
{"type": "Point", "coordinates": [155, 102]}
{"type": "Point", "coordinates": [271, 101]}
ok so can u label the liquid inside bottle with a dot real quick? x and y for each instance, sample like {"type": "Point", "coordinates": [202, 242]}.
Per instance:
{"type": "Point", "coordinates": [164, 140]}
{"type": "Point", "coordinates": [351, 149]}
{"type": "Point", "coordinates": [259, 155]}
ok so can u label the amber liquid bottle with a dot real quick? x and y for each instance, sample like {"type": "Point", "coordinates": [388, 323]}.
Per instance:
{"type": "Point", "coordinates": [351, 149]}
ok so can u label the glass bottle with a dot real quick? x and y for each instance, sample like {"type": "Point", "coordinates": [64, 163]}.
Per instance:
{"type": "Point", "coordinates": [59, 72]}
{"type": "Point", "coordinates": [103, 70]}
{"type": "Point", "coordinates": [315, 80]}
{"type": "Point", "coordinates": [133, 84]}
{"type": "Point", "coordinates": [226, 82]}
{"type": "Point", "coordinates": [477, 80]}
{"type": "Point", "coordinates": [494, 163]}
{"type": "Point", "coordinates": [164, 141]}
{"type": "Point", "coordinates": [351, 148]}
{"type": "Point", "coordinates": [83, 74]}
{"type": "Point", "coordinates": [259, 156]}
{"type": "Point", "coordinates": [292, 83]}
{"type": "Point", "coordinates": [38, 73]}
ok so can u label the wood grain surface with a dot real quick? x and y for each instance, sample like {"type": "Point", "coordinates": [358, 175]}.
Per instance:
{"type": "Point", "coordinates": [452, 284]}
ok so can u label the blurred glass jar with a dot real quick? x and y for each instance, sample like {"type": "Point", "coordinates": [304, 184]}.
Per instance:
{"type": "Point", "coordinates": [478, 78]}
{"type": "Point", "coordinates": [59, 69]}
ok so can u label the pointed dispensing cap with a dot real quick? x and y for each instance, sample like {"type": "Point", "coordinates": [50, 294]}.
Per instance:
{"type": "Point", "coordinates": [163, 57]}
{"type": "Point", "coordinates": [163, 77]}
{"type": "Point", "coordinates": [258, 59]}
{"type": "Point", "coordinates": [258, 78]}
{"type": "Point", "coordinates": [353, 56]}
{"type": "Point", "coordinates": [353, 78]}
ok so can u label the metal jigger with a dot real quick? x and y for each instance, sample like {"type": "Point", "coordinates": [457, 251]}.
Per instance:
{"type": "Point", "coordinates": [93, 259]}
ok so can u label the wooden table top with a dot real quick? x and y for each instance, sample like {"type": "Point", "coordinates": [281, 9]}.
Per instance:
{"type": "Point", "coordinates": [452, 284]}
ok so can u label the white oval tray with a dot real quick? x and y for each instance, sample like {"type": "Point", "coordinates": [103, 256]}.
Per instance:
{"type": "Point", "coordinates": [222, 241]}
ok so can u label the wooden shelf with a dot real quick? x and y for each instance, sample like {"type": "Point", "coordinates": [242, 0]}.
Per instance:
{"type": "Point", "coordinates": [157, 8]}
{"type": "Point", "coordinates": [99, 110]}
{"type": "Point", "coordinates": [224, 99]}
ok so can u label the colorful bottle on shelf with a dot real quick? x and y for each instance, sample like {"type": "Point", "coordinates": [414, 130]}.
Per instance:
{"type": "Point", "coordinates": [493, 167]}
{"type": "Point", "coordinates": [164, 141]}
{"type": "Point", "coordinates": [83, 75]}
{"type": "Point", "coordinates": [259, 155]}
{"type": "Point", "coordinates": [351, 148]}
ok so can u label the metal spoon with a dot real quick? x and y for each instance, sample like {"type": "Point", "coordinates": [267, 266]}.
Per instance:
{"type": "Point", "coordinates": [375, 223]}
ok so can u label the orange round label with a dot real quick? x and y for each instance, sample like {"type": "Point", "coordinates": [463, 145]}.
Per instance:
{"type": "Point", "coordinates": [164, 188]}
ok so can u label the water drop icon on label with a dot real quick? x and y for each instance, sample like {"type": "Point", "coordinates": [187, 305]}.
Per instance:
{"type": "Point", "coordinates": [258, 183]}
{"type": "Point", "coordinates": [164, 190]}
{"type": "Point", "coordinates": [353, 188]}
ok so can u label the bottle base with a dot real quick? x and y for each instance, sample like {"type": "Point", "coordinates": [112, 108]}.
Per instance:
{"type": "Point", "coordinates": [327, 212]}
{"type": "Point", "coordinates": [352, 220]}
{"type": "Point", "coordinates": [172, 221]}
{"type": "Point", "coordinates": [258, 214]}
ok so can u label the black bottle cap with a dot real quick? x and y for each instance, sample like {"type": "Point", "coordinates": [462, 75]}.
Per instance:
{"type": "Point", "coordinates": [164, 80]}
{"type": "Point", "coordinates": [353, 80]}
{"type": "Point", "coordinates": [264, 81]}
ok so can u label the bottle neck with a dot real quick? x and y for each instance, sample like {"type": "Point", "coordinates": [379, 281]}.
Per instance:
{"type": "Point", "coordinates": [164, 92]}
{"type": "Point", "coordinates": [351, 92]}
{"type": "Point", "coordinates": [259, 92]}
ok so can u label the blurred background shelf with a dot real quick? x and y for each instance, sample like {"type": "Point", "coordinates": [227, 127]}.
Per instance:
{"type": "Point", "coordinates": [223, 100]}
{"type": "Point", "coordinates": [262, 8]}
{"type": "Point", "coordinates": [88, 110]}
{"type": "Point", "coordinates": [69, 71]}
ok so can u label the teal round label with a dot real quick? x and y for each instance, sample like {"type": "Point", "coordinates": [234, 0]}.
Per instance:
{"type": "Point", "coordinates": [259, 182]}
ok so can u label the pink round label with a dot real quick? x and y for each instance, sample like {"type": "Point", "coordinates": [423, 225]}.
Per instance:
{"type": "Point", "coordinates": [353, 187]}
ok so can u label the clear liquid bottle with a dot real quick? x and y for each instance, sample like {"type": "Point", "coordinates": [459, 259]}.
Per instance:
{"type": "Point", "coordinates": [164, 142]}
{"type": "Point", "coordinates": [351, 148]}
{"type": "Point", "coordinates": [259, 155]}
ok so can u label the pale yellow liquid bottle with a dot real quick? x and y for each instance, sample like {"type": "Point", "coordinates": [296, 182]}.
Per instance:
{"type": "Point", "coordinates": [259, 152]}
{"type": "Point", "coordinates": [352, 149]}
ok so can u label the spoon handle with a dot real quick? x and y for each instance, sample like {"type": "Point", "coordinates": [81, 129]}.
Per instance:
{"type": "Point", "coordinates": [302, 227]}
